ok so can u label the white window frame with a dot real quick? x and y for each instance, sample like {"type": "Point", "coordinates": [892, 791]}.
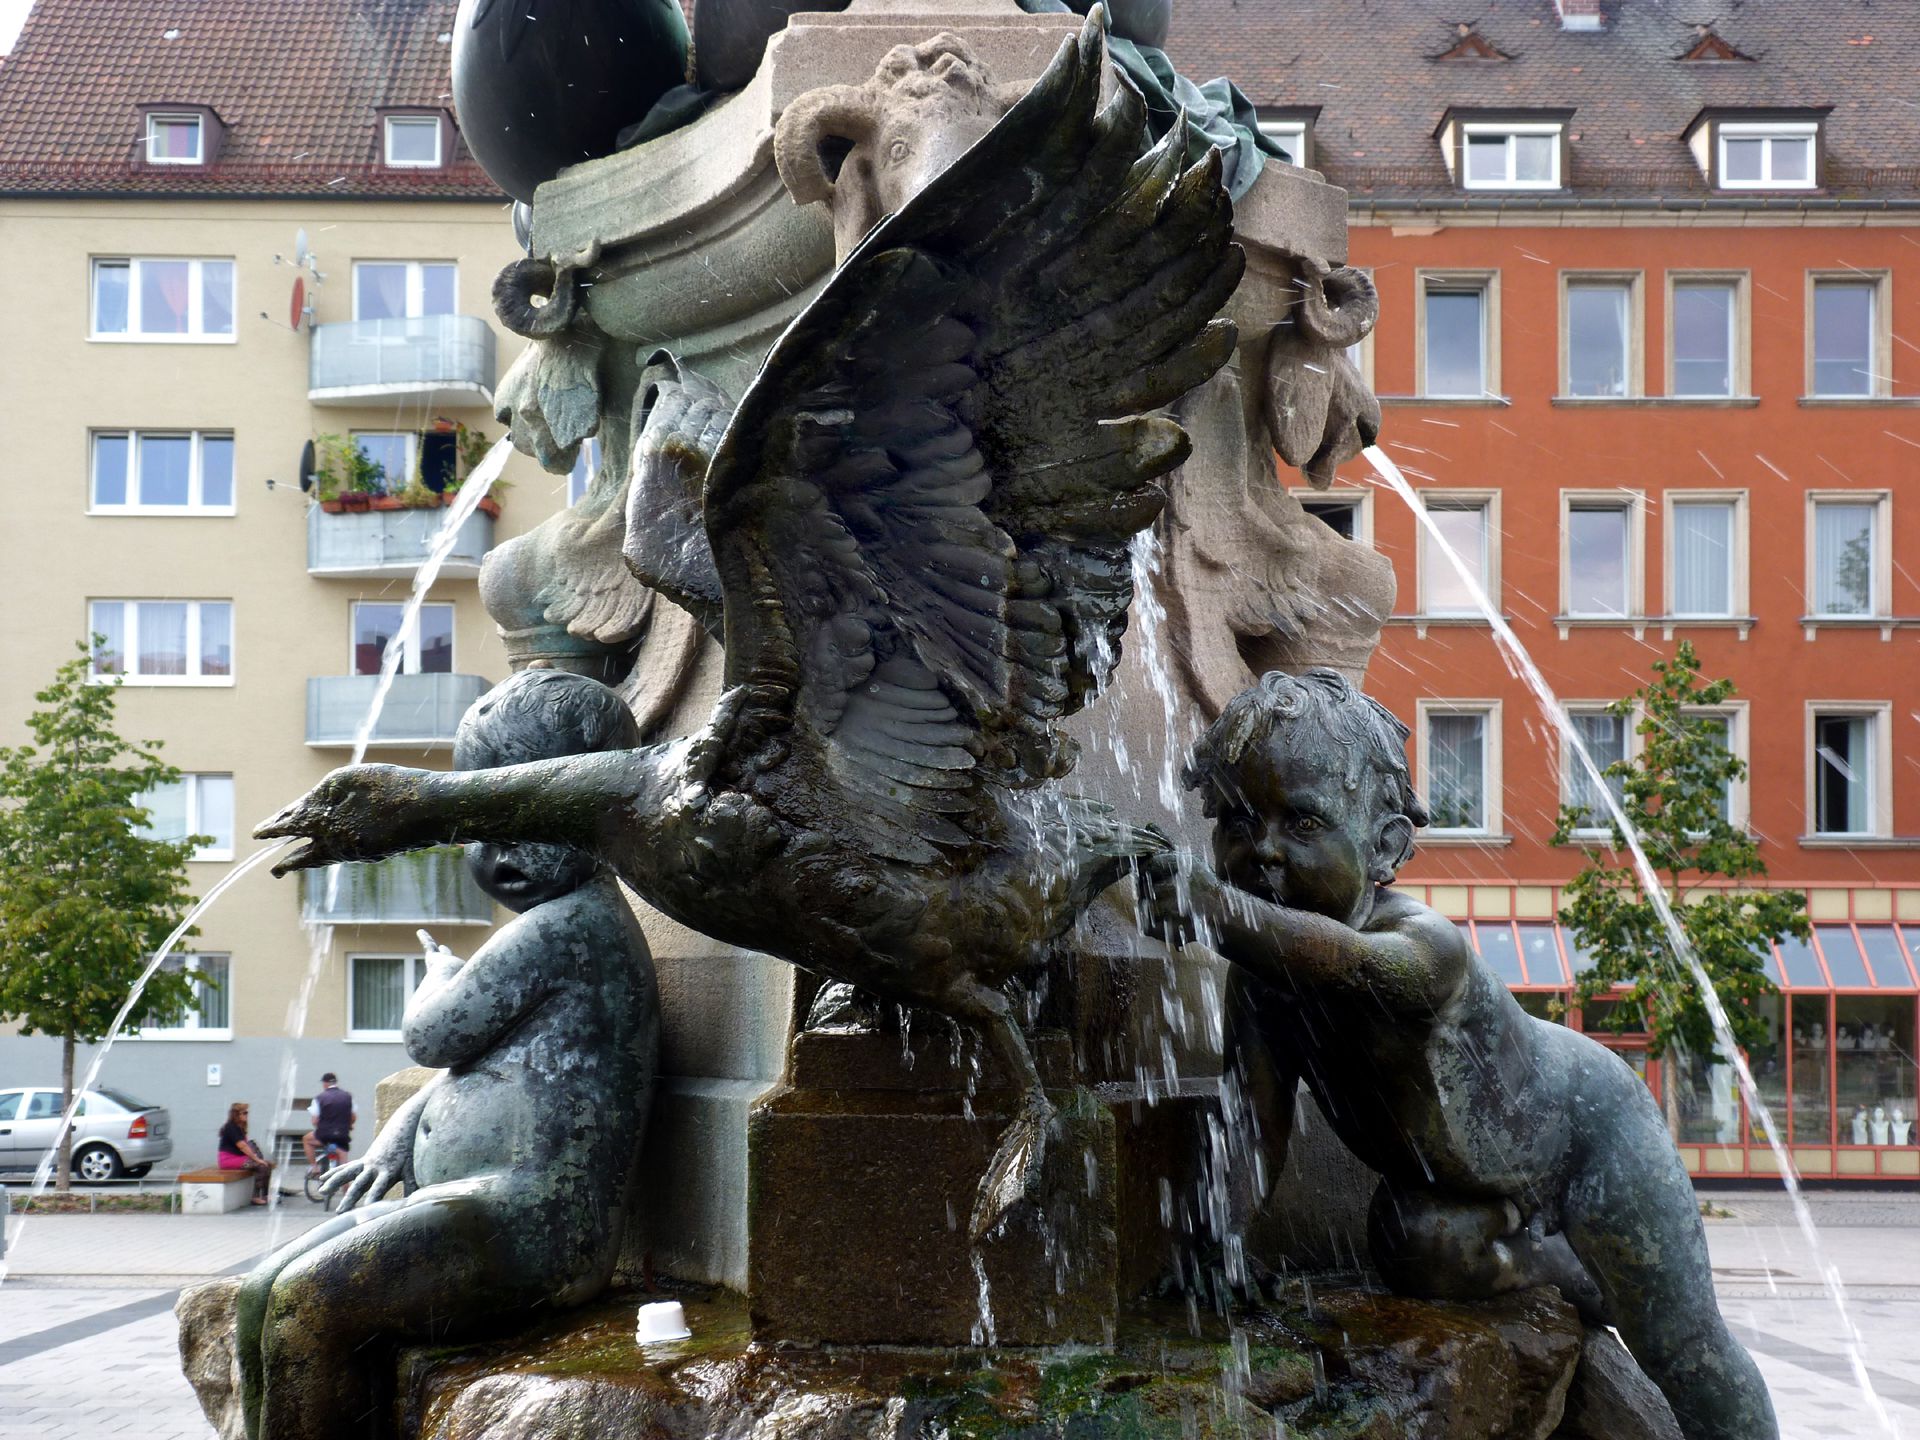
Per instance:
{"type": "Point", "coordinates": [1739, 600]}
{"type": "Point", "coordinates": [155, 118]}
{"type": "Point", "coordinates": [195, 505]}
{"type": "Point", "coordinates": [1487, 501]}
{"type": "Point", "coordinates": [1487, 282]}
{"type": "Point", "coordinates": [1740, 340]}
{"type": "Point", "coordinates": [1879, 582]}
{"type": "Point", "coordinates": [1767, 130]}
{"type": "Point", "coordinates": [1879, 717]}
{"type": "Point", "coordinates": [410, 655]}
{"type": "Point", "coordinates": [1633, 375]}
{"type": "Point", "coordinates": [412, 442]}
{"type": "Point", "coordinates": [131, 640]}
{"type": "Point", "coordinates": [192, 1029]}
{"type": "Point", "coordinates": [191, 781]}
{"type": "Point", "coordinates": [1292, 134]}
{"type": "Point", "coordinates": [1879, 286]}
{"type": "Point", "coordinates": [1735, 715]}
{"type": "Point", "coordinates": [1568, 763]}
{"type": "Point", "coordinates": [195, 333]}
{"type": "Point", "coordinates": [1491, 769]}
{"type": "Point", "coordinates": [415, 970]}
{"type": "Point", "coordinates": [1361, 501]}
{"type": "Point", "coordinates": [393, 122]}
{"type": "Point", "coordinates": [416, 286]}
{"type": "Point", "coordinates": [1510, 129]}
{"type": "Point", "coordinates": [1633, 504]}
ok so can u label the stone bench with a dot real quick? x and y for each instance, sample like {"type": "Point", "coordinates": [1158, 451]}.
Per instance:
{"type": "Point", "coordinates": [214, 1191]}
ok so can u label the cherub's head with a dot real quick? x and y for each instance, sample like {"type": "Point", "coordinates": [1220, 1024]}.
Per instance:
{"type": "Point", "coordinates": [1306, 780]}
{"type": "Point", "coordinates": [538, 715]}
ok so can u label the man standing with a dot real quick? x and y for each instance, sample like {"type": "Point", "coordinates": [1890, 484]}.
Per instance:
{"type": "Point", "coordinates": [333, 1118]}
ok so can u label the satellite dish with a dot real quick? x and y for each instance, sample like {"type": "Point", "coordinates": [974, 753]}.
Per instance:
{"type": "Point", "coordinates": [306, 466]}
{"type": "Point", "coordinates": [299, 307]}
{"type": "Point", "coordinates": [300, 250]}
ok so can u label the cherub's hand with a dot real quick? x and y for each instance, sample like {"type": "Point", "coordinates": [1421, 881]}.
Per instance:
{"type": "Point", "coordinates": [360, 1182]}
{"type": "Point", "coordinates": [353, 814]}
{"type": "Point", "coordinates": [1179, 897]}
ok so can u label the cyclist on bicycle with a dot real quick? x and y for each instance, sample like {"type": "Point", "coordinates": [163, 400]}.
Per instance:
{"type": "Point", "coordinates": [333, 1116]}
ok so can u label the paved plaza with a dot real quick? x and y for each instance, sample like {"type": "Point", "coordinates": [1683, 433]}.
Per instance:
{"type": "Point", "coordinates": [87, 1333]}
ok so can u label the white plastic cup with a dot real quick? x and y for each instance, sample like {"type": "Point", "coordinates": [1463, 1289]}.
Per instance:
{"type": "Point", "coordinates": [661, 1320]}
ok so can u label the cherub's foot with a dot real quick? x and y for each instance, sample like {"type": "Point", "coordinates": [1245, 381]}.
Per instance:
{"type": "Point", "coordinates": [1013, 1176]}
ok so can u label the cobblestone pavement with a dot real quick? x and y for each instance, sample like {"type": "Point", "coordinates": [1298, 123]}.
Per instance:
{"type": "Point", "coordinates": [89, 1353]}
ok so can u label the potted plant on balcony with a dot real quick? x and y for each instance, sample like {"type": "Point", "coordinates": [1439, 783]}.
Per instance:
{"type": "Point", "coordinates": [470, 448]}
{"type": "Point", "coordinates": [345, 478]}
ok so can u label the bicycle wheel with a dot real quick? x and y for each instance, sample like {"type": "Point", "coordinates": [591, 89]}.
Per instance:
{"type": "Point", "coordinates": [317, 1172]}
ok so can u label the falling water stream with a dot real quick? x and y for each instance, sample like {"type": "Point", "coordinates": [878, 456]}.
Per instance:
{"type": "Point", "coordinates": [1521, 663]}
{"type": "Point", "coordinates": [320, 934]}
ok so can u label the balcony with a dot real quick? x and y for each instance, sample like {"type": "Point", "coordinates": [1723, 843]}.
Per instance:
{"type": "Point", "coordinates": [382, 544]}
{"type": "Point", "coordinates": [428, 887]}
{"type": "Point", "coordinates": [443, 361]}
{"type": "Point", "coordinates": [421, 713]}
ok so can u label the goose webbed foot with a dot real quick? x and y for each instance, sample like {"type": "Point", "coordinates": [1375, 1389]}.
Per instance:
{"type": "Point", "coordinates": [1014, 1175]}
{"type": "Point", "coordinates": [842, 1009]}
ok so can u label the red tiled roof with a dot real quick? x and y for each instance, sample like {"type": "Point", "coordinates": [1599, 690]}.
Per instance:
{"type": "Point", "coordinates": [1370, 65]}
{"type": "Point", "coordinates": [297, 83]}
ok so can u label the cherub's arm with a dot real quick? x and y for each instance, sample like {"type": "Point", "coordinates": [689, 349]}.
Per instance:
{"type": "Point", "coordinates": [464, 1007]}
{"type": "Point", "coordinates": [1410, 965]}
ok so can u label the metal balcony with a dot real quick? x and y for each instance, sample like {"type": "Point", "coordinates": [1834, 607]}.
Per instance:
{"type": "Point", "coordinates": [421, 711]}
{"type": "Point", "coordinates": [433, 360]}
{"type": "Point", "coordinates": [380, 544]}
{"type": "Point", "coordinates": [427, 887]}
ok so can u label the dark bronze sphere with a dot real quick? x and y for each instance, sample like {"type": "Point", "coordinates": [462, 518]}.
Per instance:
{"type": "Point", "coordinates": [542, 84]}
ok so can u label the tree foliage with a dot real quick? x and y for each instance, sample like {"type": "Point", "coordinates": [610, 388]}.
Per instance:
{"type": "Point", "coordinates": [1673, 791]}
{"type": "Point", "coordinates": [85, 899]}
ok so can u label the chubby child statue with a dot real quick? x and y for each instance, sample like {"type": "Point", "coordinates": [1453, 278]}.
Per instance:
{"type": "Point", "coordinates": [1513, 1152]}
{"type": "Point", "coordinates": [516, 1160]}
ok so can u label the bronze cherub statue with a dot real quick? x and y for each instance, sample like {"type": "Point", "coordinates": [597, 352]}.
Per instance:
{"type": "Point", "coordinates": [919, 515]}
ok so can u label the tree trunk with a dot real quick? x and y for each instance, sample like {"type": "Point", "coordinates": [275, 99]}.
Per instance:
{"type": "Point", "coordinates": [63, 1167]}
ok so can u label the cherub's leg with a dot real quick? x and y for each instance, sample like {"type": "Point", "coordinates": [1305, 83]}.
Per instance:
{"type": "Point", "coordinates": [1014, 1173]}
{"type": "Point", "coordinates": [1632, 1217]}
{"type": "Point", "coordinates": [250, 1309]}
{"type": "Point", "coordinates": [1450, 1247]}
{"type": "Point", "coordinates": [417, 1270]}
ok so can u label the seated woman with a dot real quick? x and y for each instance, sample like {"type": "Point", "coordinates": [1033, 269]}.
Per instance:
{"type": "Point", "coordinates": [237, 1152]}
{"type": "Point", "coordinates": [516, 1159]}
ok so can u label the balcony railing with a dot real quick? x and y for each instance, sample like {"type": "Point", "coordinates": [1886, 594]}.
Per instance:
{"type": "Point", "coordinates": [379, 544]}
{"type": "Point", "coordinates": [443, 360]}
{"type": "Point", "coordinates": [427, 887]}
{"type": "Point", "coordinates": [421, 711]}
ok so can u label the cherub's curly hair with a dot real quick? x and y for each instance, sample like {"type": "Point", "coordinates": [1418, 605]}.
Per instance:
{"type": "Point", "coordinates": [540, 714]}
{"type": "Point", "coordinates": [1367, 736]}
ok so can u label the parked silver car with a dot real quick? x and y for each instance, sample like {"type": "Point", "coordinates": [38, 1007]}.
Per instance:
{"type": "Point", "coordinates": [114, 1135]}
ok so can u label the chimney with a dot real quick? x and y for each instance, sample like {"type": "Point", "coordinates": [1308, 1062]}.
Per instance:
{"type": "Point", "coordinates": [1578, 14]}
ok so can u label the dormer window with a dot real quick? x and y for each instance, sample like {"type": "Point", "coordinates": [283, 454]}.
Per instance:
{"type": "Point", "coordinates": [1758, 149]}
{"type": "Point", "coordinates": [175, 138]}
{"type": "Point", "coordinates": [413, 142]}
{"type": "Point", "coordinates": [1291, 131]}
{"type": "Point", "coordinates": [1517, 150]}
{"type": "Point", "coordinates": [1767, 157]}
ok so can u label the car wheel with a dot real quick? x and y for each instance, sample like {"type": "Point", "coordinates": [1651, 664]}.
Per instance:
{"type": "Point", "coordinates": [96, 1163]}
{"type": "Point", "coordinates": [138, 1172]}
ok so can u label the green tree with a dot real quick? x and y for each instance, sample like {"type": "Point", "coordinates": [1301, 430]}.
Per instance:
{"type": "Point", "coordinates": [1674, 791]}
{"type": "Point", "coordinates": [85, 899]}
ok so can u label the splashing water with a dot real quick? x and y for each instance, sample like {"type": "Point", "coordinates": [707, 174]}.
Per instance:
{"type": "Point", "coordinates": [43, 1172]}
{"type": "Point", "coordinates": [1521, 663]}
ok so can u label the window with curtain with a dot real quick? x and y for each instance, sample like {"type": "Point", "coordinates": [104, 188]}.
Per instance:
{"type": "Point", "coordinates": [1704, 314]}
{"type": "Point", "coordinates": [208, 1015]}
{"type": "Point", "coordinates": [1466, 527]}
{"type": "Point", "coordinates": [1605, 739]}
{"type": "Point", "coordinates": [1597, 337]}
{"type": "Point", "coordinates": [1456, 338]}
{"type": "Point", "coordinates": [1843, 778]}
{"type": "Point", "coordinates": [160, 642]}
{"type": "Point", "coordinates": [380, 986]}
{"type": "Point", "coordinates": [1718, 727]}
{"type": "Point", "coordinates": [1457, 771]}
{"type": "Point", "coordinates": [1843, 326]}
{"type": "Point", "coordinates": [174, 140]}
{"type": "Point", "coordinates": [403, 289]}
{"type": "Point", "coordinates": [195, 805]}
{"type": "Point", "coordinates": [1845, 557]}
{"type": "Point", "coordinates": [1703, 538]}
{"type": "Point", "coordinates": [162, 299]}
{"type": "Point", "coordinates": [1599, 567]}
{"type": "Point", "coordinates": [428, 650]}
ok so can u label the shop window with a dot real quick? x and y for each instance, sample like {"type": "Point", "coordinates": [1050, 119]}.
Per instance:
{"type": "Point", "coordinates": [1812, 1105]}
{"type": "Point", "coordinates": [1874, 1057]}
{"type": "Point", "coordinates": [1768, 1063]}
{"type": "Point", "coordinates": [1705, 1097]}
{"type": "Point", "coordinates": [426, 650]}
